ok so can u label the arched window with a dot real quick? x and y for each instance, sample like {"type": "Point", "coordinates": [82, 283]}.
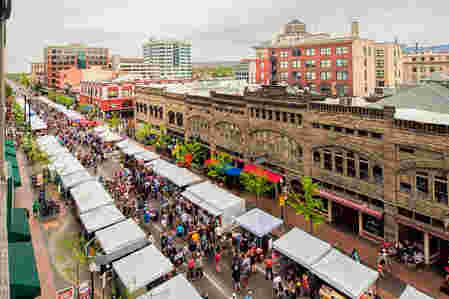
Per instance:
{"type": "Point", "coordinates": [378, 174]}
{"type": "Point", "coordinates": [179, 119]}
{"type": "Point", "coordinates": [171, 117]}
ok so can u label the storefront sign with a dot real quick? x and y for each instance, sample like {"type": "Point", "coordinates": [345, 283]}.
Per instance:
{"type": "Point", "coordinates": [68, 293]}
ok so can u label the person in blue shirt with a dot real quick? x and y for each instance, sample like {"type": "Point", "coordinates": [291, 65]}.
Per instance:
{"type": "Point", "coordinates": [180, 231]}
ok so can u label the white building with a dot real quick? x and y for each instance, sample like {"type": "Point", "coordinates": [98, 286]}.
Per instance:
{"type": "Point", "coordinates": [169, 59]}
{"type": "Point", "coordinates": [133, 67]}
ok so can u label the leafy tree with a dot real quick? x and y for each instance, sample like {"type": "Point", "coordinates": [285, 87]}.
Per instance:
{"type": "Point", "coordinates": [19, 114]}
{"type": "Point", "coordinates": [143, 132]}
{"type": "Point", "coordinates": [255, 184]}
{"type": "Point", "coordinates": [9, 90]}
{"type": "Point", "coordinates": [307, 205]}
{"type": "Point", "coordinates": [75, 247]}
{"type": "Point", "coordinates": [24, 80]}
{"type": "Point", "coordinates": [37, 86]}
{"type": "Point", "coordinates": [114, 121]}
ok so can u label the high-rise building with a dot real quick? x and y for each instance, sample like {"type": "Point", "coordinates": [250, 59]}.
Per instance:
{"type": "Point", "coordinates": [134, 67]}
{"type": "Point", "coordinates": [388, 65]}
{"type": "Point", "coordinates": [170, 60]}
{"type": "Point", "coordinates": [62, 57]}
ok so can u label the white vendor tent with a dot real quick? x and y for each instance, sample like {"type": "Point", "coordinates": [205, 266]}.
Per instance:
{"type": "Point", "coordinates": [179, 176]}
{"type": "Point", "coordinates": [90, 196]}
{"type": "Point", "coordinates": [108, 136]}
{"type": "Point", "coordinates": [76, 178]}
{"type": "Point", "coordinates": [146, 156]}
{"type": "Point", "coordinates": [120, 236]}
{"type": "Point", "coordinates": [139, 269]}
{"type": "Point", "coordinates": [100, 129]}
{"type": "Point", "coordinates": [258, 222]}
{"type": "Point", "coordinates": [216, 200]}
{"type": "Point", "coordinates": [302, 247]}
{"type": "Point", "coordinates": [344, 274]}
{"type": "Point", "coordinates": [412, 293]}
{"type": "Point", "coordinates": [175, 288]}
{"type": "Point", "coordinates": [132, 150]}
{"type": "Point", "coordinates": [125, 143]}
{"type": "Point", "coordinates": [71, 167]}
{"type": "Point", "coordinates": [100, 218]}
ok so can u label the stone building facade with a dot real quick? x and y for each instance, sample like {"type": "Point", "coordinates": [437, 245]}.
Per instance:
{"type": "Point", "coordinates": [380, 177]}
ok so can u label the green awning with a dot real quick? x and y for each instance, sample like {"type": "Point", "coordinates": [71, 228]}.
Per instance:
{"type": "Point", "coordinates": [23, 276]}
{"type": "Point", "coordinates": [10, 156]}
{"type": "Point", "coordinates": [10, 150]}
{"type": "Point", "coordinates": [19, 229]}
{"type": "Point", "coordinates": [9, 142]}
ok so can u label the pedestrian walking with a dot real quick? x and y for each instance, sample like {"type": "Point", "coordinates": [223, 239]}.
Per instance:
{"type": "Point", "coordinates": [217, 261]}
{"type": "Point", "coordinates": [268, 268]}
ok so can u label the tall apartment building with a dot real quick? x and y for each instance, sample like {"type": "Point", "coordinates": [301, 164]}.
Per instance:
{"type": "Point", "coordinates": [388, 66]}
{"type": "Point", "coordinates": [169, 59]}
{"type": "Point", "coordinates": [63, 57]}
{"type": "Point", "coordinates": [135, 67]}
{"type": "Point", "coordinates": [420, 65]}
{"type": "Point", "coordinates": [325, 63]}
{"type": "Point", "coordinates": [38, 72]}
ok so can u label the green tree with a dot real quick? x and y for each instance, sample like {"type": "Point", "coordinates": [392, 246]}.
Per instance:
{"type": "Point", "coordinates": [19, 114]}
{"type": "Point", "coordinates": [114, 121]}
{"type": "Point", "coordinates": [24, 80]}
{"type": "Point", "coordinates": [255, 184]}
{"type": "Point", "coordinates": [306, 204]}
{"type": "Point", "coordinates": [9, 90]}
{"type": "Point", "coordinates": [37, 86]}
{"type": "Point", "coordinates": [143, 132]}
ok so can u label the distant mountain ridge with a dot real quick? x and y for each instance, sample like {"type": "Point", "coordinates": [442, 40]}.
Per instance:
{"type": "Point", "coordinates": [214, 64]}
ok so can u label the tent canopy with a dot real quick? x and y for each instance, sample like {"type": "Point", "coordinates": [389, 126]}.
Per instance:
{"type": "Point", "coordinates": [132, 150]}
{"type": "Point", "coordinates": [146, 156]}
{"type": "Point", "coordinates": [258, 222]}
{"type": "Point", "coordinates": [23, 276]}
{"type": "Point", "coordinates": [125, 143]}
{"type": "Point", "coordinates": [175, 288]}
{"type": "Point", "coordinates": [179, 176]}
{"type": "Point", "coordinates": [70, 167]}
{"type": "Point", "coordinates": [201, 203]}
{"type": "Point", "coordinates": [412, 293]}
{"type": "Point", "coordinates": [100, 218]}
{"type": "Point", "coordinates": [89, 196]}
{"type": "Point", "coordinates": [310, 251]}
{"type": "Point", "coordinates": [344, 274]}
{"type": "Point", "coordinates": [120, 235]}
{"type": "Point", "coordinates": [19, 230]}
{"type": "Point", "coordinates": [142, 267]}
{"type": "Point", "coordinates": [76, 178]}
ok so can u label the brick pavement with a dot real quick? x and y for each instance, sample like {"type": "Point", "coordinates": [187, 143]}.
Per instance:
{"type": "Point", "coordinates": [24, 199]}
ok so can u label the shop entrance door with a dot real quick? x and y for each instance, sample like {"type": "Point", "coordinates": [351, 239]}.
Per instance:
{"type": "Point", "coordinates": [345, 218]}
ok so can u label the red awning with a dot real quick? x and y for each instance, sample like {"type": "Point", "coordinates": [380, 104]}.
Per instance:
{"type": "Point", "coordinates": [350, 204]}
{"type": "Point", "coordinates": [210, 162]}
{"type": "Point", "coordinates": [271, 176]}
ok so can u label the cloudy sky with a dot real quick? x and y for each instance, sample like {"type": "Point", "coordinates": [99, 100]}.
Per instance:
{"type": "Point", "coordinates": [219, 29]}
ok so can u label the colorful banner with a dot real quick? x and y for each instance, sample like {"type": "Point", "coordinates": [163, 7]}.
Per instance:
{"type": "Point", "coordinates": [68, 293]}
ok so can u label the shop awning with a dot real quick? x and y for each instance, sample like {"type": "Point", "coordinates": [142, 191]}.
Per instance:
{"type": "Point", "coordinates": [210, 162]}
{"type": "Point", "coordinates": [100, 218]}
{"type": "Point", "coordinates": [89, 196]}
{"type": "Point", "coordinates": [125, 143]}
{"type": "Point", "coordinates": [175, 288]}
{"type": "Point", "coordinates": [350, 204]}
{"type": "Point", "coordinates": [146, 156]}
{"type": "Point", "coordinates": [19, 229]}
{"type": "Point", "coordinates": [271, 176]}
{"type": "Point", "coordinates": [345, 274]}
{"type": "Point", "coordinates": [140, 268]}
{"type": "Point", "coordinates": [120, 236]}
{"type": "Point", "coordinates": [23, 276]}
{"type": "Point", "coordinates": [412, 293]}
{"type": "Point", "coordinates": [233, 171]}
{"type": "Point", "coordinates": [179, 176]}
{"type": "Point", "coordinates": [302, 247]}
{"type": "Point", "coordinates": [76, 178]}
{"type": "Point", "coordinates": [258, 222]}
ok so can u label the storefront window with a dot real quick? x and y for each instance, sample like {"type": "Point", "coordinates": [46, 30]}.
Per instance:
{"type": "Point", "coordinates": [441, 190]}
{"type": "Point", "coordinates": [422, 183]}
{"type": "Point", "coordinates": [373, 225]}
{"type": "Point", "coordinates": [339, 162]}
{"type": "Point", "coordinates": [364, 172]}
{"type": "Point", "coordinates": [328, 161]}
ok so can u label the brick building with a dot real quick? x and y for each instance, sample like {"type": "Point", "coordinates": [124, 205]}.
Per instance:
{"type": "Point", "coordinates": [382, 167]}
{"type": "Point", "coordinates": [63, 57]}
{"type": "Point", "coordinates": [420, 65]}
{"type": "Point", "coordinates": [74, 76]}
{"type": "Point", "coordinates": [109, 97]}
{"type": "Point", "coordinates": [342, 65]}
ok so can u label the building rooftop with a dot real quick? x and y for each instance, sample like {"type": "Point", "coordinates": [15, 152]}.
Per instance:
{"type": "Point", "coordinates": [131, 60]}
{"type": "Point", "coordinates": [295, 22]}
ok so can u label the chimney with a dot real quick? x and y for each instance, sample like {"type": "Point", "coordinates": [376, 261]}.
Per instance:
{"type": "Point", "coordinates": [355, 29]}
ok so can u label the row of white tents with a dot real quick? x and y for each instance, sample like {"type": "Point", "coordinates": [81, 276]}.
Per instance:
{"type": "Point", "coordinates": [31, 116]}
{"type": "Point", "coordinates": [72, 115]}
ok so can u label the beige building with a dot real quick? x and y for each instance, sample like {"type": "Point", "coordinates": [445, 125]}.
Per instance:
{"type": "Point", "coordinates": [389, 72]}
{"type": "Point", "coordinates": [38, 72]}
{"type": "Point", "coordinates": [421, 65]}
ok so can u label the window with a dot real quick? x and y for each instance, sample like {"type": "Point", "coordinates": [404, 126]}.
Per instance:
{"type": "Point", "coordinates": [299, 118]}
{"type": "Point", "coordinates": [296, 75]}
{"type": "Point", "coordinates": [342, 76]}
{"type": "Point", "coordinates": [378, 174]}
{"type": "Point", "coordinates": [325, 51]}
{"type": "Point", "coordinates": [373, 225]}
{"type": "Point", "coordinates": [292, 118]}
{"type": "Point", "coordinates": [405, 187]}
{"type": "Point", "coordinates": [414, 59]}
{"type": "Point", "coordinates": [350, 131]}
{"type": "Point", "coordinates": [341, 50]}
{"type": "Point", "coordinates": [310, 52]}
{"type": "Point", "coordinates": [376, 135]}
{"type": "Point", "coordinates": [406, 150]}
{"type": "Point", "coordinates": [328, 160]}
{"type": "Point", "coordinates": [326, 63]}
{"type": "Point", "coordinates": [262, 76]}
{"type": "Point", "coordinates": [316, 125]}
{"type": "Point", "coordinates": [284, 64]}
{"type": "Point", "coordinates": [339, 162]}
{"type": "Point", "coordinates": [325, 75]}
{"type": "Point", "coordinates": [441, 190]}
{"type": "Point", "coordinates": [310, 76]}
{"type": "Point", "coordinates": [284, 54]}
{"type": "Point", "coordinates": [432, 69]}
{"type": "Point", "coordinates": [310, 63]}
{"type": "Point", "coordinates": [284, 76]}
{"type": "Point", "coordinates": [296, 64]}
{"type": "Point", "coordinates": [364, 169]}
{"type": "Point", "coordinates": [264, 115]}
{"type": "Point", "coordinates": [341, 62]}
{"type": "Point", "coordinates": [257, 113]}
{"type": "Point", "coordinates": [284, 117]}
{"type": "Point", "coordinates": [270, 115]}
{"type": "Point", "coordinates": [296, 52]}
{"type": "Point", "coordinates": [262, 65]}
{"type": "Point", "coordinates": [422, 183]}
{"type": "Point", "coordinates": [278, 115]}
{"type": "Point", "coordinates": [338, 129]}
{"type": "Point", "coordinates": [363, 133]}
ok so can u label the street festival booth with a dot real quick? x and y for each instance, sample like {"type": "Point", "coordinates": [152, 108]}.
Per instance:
{"type": "Point", "coordinates": [125, 143]}
{"type": "Point", "coordinates": [181, 177]}
{"type": "Point", "coordinates": [121, 239]}
{"type": "Point", "coordinates": [76, 178]}
{"type": "Point", "coordinates": [217, 202]}
{"type": "Point", "coordinates": [142, 270]}
{"type": "Point", "coordinates": [260, 225]}
{"type": "Point", "coordinates": [146, 156]}
{"type": "Point", "coordinates": [100, 218]}
{"type": "Point", "coordinates": [90, 196]}
{"type": "Point", "coordinates": [412, 293]}
{"type": "Point", "coordinates": [175, 288]}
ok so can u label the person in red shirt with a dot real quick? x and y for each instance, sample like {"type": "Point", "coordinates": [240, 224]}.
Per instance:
{"type": "Point", "coordinates": [217, 261]}
{"type": "Point", "coordinates": [191, 266]}
{"type": "Point", "coordinates": [268, 268]}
